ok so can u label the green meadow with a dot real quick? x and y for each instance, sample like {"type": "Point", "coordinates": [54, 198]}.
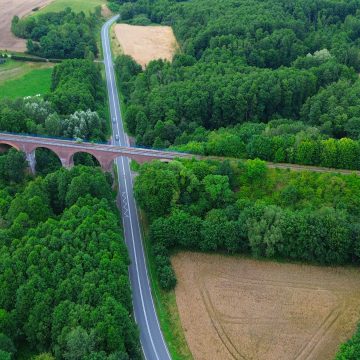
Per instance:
{"type": "Point", "coordinates": [76, 5]}
{"type": "Point", "coordinates": [23, 79]}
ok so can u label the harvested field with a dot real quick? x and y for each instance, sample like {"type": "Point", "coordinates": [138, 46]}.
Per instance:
{"type": "Point", "coordinates": [233, 308]}
{"type": "Point", "coordinates": [146, 43]}
{"type": "Point", "coordinates": [10, 8]}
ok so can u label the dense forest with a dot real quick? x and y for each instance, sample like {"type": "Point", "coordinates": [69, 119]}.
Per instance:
{"type": "Point", "coordinates": [64, 268]}
{"type": "Point", "coordinates": [248, 62]}
{"type": "Point", "coordinates": [59, 35]}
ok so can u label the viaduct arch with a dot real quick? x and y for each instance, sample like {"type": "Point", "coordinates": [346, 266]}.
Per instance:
{"type": "Point", "coordinates": [105, 154]}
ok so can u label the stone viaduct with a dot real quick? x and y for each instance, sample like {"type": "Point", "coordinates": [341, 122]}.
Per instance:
{"type": "Point", "coordinates": [66, 149]}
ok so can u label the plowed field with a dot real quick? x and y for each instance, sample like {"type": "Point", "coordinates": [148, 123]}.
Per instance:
{"type": "Point", "coordinates": [8, 9]}
{"type": "Point", "coordinates": [233, 308]}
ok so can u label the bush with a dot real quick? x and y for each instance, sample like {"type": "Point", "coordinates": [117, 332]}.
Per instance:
{"type": "Point", "coordinates": [28, 58]}
{"type": "Point", "coordinates": [167, 278]}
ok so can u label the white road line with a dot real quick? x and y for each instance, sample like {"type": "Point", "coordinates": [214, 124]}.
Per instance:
{"type": "Point", "coordinates": [147, 276]}
{"type": "Point", "coordinates": [106, 48]}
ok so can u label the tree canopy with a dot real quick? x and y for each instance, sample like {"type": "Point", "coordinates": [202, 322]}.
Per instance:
{"type": "Point", "coordinates": [70, 294]}
{"type": "Point", "coordinates": [289, 64]}
{"type": "Point", "coordinates": [59, 35]}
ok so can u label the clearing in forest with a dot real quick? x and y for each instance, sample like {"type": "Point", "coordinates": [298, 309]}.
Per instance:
{"type": "Point", "coordinates": [146, 43]}
{"type": "Point", "coordinates": [235, 308]}
{"type": "Point", "coordinates": [10, 8]}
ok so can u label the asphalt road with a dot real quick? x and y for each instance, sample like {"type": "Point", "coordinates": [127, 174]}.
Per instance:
{"type": "Point", "coordinates": [152, 340]}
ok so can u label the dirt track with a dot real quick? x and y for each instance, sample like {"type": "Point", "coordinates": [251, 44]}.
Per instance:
{"type": "Point", "coordinates": [8, 9]}
{"type": "Point", "coordinates": [146, 43]}
{"type": "Point", "coordinates": [233, 308]}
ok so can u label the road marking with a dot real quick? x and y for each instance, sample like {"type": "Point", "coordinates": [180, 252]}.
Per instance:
{"type": "Point", "coordinates": [106, 48]}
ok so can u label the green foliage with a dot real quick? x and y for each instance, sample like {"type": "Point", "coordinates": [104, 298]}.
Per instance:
{"type": "Point", "coordinates": [244, 61]}
{"type": "Point", "coordinates": [79, 344]}
{"type": "Point", "coordinates": [126, 68]}
{"type": "Point", "coordinates": [76, 85]}
{"type": "Point", "coordinates": [248, 208]}
{"type": "Point", "coordinates": [6, 344]}
{"type": "Point", "coordinates": [70, 294]}
{"type": "Point", "coordinates": [167, 277]}
{"type": "Point", "coordinates": [45, 356]}
{"type": "Point", "coordinates": [256, 170]}
{"type": "Point", "coordinates": [217, 189]}
{"type": "Point", "coordinates": [280, 140]}
{"type": "Point", "coordinates": [351, 349]}
{"type": "Point", "coordinates": [5, 355]}
{"type": "Point", "coordinates": [60, 35]}
{"type": "Point", "coordinates": [156, 190]}
{"type": "Point", "coordinates": [46, 161]}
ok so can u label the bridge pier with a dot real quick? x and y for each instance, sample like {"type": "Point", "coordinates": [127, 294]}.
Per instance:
{"type": "Point", "coordinates": [31, 159]}
{"type": "Point", "coordinates": [67, 162]}
{"type": "Point", "coordinates": [106, 164]}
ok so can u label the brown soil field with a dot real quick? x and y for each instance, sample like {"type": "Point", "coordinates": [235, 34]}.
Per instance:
{"type": "Point", "coordinates": [235, 308]}
{"type": "Point", "coordinates": [146, 43]}
{"type": "Point", "coordinates": [10, 8]}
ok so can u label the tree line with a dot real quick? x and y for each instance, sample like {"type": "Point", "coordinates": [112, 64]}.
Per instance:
{"type": "Point", "coordinates": [59, 35]}
{"type": "Point", "coordinates": [281, 141]}
{"type": "Point", "coordinates": [351, 349]}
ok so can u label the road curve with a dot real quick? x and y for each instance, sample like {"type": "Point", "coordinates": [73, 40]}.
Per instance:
{"type": "Point", "coordinates": [151, 337]}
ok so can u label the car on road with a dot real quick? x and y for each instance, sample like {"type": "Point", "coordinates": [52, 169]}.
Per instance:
{"type": "Point", "coordinates": [113, 120]}
{"type": "Point", "coordinates": [117, 137]}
